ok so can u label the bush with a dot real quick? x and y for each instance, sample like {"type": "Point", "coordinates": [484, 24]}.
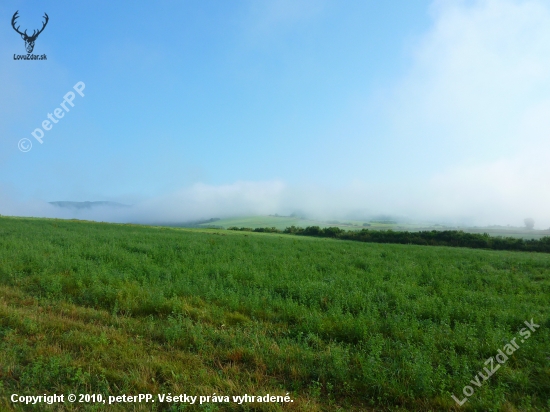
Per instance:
{"type": "Point", "coordinates": [454, 238]}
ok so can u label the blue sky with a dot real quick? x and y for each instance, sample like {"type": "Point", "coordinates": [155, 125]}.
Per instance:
{"type": "Point", "coordinates": [427, 109]}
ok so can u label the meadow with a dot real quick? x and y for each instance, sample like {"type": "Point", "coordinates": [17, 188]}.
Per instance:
{"type": "Point", "coordinates": [339, 325]}
{"type": "Point", "coordinates": [282, 222]}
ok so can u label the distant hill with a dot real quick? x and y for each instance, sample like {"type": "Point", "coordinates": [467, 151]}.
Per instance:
{"type": "Point", "coordinates": [282, 222]}
{"type": "Point", "coordinates": [86, 205]}
{"type": "Point", "coordinates": [208, 223]}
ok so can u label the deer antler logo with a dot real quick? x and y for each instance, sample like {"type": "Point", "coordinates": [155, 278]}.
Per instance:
{"type": "Point", "coordinates": [29, 40]}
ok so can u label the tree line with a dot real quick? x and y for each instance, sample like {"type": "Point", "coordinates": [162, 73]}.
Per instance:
{"type": "Point", "coordinates": [453, 238]}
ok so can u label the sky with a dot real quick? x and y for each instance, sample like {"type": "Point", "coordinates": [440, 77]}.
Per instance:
{"type": "Point", "coordinates": [427, 110]}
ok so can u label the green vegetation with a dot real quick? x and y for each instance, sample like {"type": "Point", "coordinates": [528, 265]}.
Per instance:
{"type": "Point", "coordinates": [455, 238]}
{"type": "Point", "coordinates": [121, 309]}
{"type": "Point", "coordinates": [282, 222]}
{"type": "Point", "coordinates": [384, 222]}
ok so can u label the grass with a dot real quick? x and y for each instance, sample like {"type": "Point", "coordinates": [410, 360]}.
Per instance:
{"type": "Point", "coordinates": [120, 309]}
{"type": "Point", "coordinates": [282, 222]}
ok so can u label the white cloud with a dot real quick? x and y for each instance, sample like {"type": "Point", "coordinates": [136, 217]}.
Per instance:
{"type": "Point", "coordinates": [478, 97]}
{"type": "Point", "coordinates": [205, 201]}
{"type": "Point", "coordinates": [476, 73]}
{"type": "Point", "coordinates": [199, 201]}
{"type": "Point", "coordinates": [266, 21]}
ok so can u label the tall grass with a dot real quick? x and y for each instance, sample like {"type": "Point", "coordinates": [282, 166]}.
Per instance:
{"type": "Point", "coordinates": [341, 325]}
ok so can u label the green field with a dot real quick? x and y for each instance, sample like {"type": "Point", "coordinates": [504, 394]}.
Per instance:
{"type": "Point", "coordinates": [282, 222]}
{"type": "Point", "coordinates": [339, 325]}
{"type": "Point", "coordinates": [279, 222]}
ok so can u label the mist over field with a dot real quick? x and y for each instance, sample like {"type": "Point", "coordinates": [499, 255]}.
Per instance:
{"type": "Point", "coordinates": [448, 121]}
{"type": "Point", "coordinates": [327, 205]}
{"type": "Point", "coordinates": [268, 198]}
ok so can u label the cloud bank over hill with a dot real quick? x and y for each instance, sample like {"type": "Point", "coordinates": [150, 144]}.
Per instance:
{"type": "Point", "coordinates": [479, 92]}
{"type": "Point", "coordinates": [434, 203]}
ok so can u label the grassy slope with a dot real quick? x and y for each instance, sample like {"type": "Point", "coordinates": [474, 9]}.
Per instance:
{"type": "Point", "coordinates": [113, 309]}
{"type": "Point", "coordinates": [284, 222]}
{"type": "Point", "coordinates": [267, 221]}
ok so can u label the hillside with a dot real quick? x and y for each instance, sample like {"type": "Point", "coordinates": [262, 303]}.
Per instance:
{"type": "Point", "coordinates": [338, 325]}
{"type": "Point", "coordinates": [282, 222]}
